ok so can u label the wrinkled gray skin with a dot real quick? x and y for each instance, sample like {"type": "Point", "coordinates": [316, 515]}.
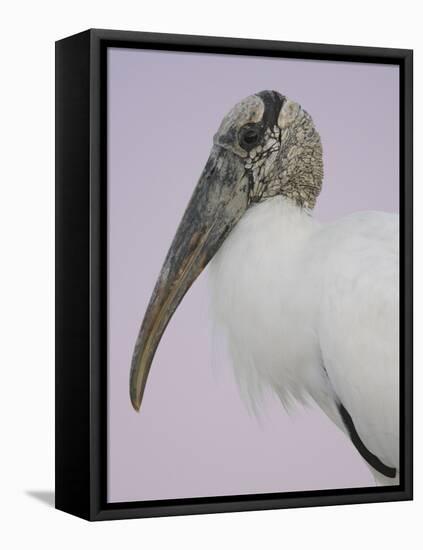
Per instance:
{"type": "Point", "coordinates": [265, 146]}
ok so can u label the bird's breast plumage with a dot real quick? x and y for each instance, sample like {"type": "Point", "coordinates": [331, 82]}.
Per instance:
{"type": "Point", "coordinates": [260, 301]}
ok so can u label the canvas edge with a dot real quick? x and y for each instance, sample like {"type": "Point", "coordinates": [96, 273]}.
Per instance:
{"type": "Point", "coordinates": [72, 214]}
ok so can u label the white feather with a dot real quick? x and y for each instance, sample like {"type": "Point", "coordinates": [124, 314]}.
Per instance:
{"type": "Point", "coordinates": [310, 310]}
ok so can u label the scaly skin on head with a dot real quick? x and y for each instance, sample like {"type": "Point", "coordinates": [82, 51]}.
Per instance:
{"type": "Point", "coordinates": [300, 159]}
{"type": "Point", "coordinates": [287, 158]}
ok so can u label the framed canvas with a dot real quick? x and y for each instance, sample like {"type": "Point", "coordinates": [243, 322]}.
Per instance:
{"type": "Point", "coordinates": [233, 274]}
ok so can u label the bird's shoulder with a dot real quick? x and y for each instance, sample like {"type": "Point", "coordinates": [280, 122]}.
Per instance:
{"type": "Point", "coordinates": [358, 248]}
{"type": "Point", "coordinates": [367, 227]}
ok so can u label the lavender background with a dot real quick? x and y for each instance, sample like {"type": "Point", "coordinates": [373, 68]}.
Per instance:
{"type": "Point", "coordinates": [193, 436]}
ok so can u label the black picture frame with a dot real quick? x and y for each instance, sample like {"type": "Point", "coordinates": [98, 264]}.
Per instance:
{"type": "Point", "coordinates": [81, 273]}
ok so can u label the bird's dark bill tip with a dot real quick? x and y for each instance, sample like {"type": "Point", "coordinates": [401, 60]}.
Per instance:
{"type": "Point", "coordinates": [135, 399]}
{"type": "Point", "coordinates": [136, 406]}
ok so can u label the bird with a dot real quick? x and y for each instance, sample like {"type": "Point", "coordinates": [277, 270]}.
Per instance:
{"type": "Point", "coordinates": [309, 310]}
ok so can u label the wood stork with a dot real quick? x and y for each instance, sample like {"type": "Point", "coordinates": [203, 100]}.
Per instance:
{"type": "Point", "coordinates": [310, 310]}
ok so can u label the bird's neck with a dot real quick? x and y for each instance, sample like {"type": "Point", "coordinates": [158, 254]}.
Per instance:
{"type": "Point", "coordinates": [273, 229]}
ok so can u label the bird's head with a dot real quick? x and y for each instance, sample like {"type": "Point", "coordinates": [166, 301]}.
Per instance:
{"type": "Point", "coordinates": [266, 145]}
{"type": "Point", "coordinates": [278, 145]}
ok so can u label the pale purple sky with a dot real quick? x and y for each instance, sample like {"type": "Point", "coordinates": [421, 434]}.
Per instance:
{"type": "Point", "coordinates": [193, 436]}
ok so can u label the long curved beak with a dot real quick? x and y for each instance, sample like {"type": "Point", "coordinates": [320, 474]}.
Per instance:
{"type": "Point", "coordinates": [218, 202]}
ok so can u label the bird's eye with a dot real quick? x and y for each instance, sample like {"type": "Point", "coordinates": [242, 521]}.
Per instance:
{"type": "Point", "coordinates": [248, 137]}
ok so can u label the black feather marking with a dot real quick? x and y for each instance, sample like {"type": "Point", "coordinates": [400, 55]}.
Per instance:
{"type": "Point", "coordinates": [369, 457]}
{"type": "Point", "coordinates": [273, 102]}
